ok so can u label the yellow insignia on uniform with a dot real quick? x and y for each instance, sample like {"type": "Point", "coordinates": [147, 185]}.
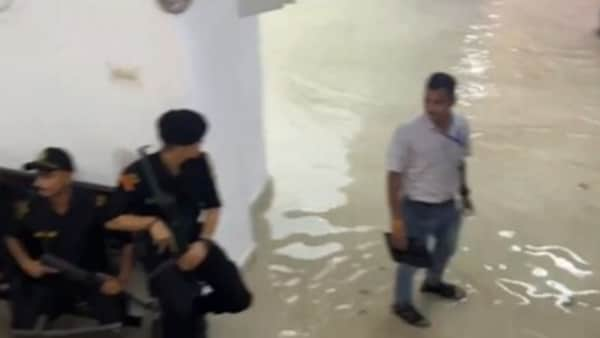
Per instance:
{"type": "Point", "coordinates": [101, 200]}
{"type": "Point", "coordinates": [21, 209]}
{"type": "Point", "coordinates": [45, 234]}
{"type": "Point", "coordinates": [129, 181]}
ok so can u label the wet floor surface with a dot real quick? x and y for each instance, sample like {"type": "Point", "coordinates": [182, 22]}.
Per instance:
{"type": "Point", "coordinates": [341, 75]}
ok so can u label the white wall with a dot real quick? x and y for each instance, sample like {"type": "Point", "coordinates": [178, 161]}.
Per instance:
{"type": "Point", "coordinates": [55, 81]}
{"type": "Point", "coordinates": [254, 7]}
{"type": "Point", "coordinates": [57, 89]}
{"type": "Point", "coordinates": [225, 82]}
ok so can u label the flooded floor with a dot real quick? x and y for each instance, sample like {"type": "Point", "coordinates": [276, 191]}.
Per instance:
{"type": "Point", "coordinates": [341, 75]}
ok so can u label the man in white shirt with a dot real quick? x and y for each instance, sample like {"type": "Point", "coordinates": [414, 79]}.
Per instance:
{"type": "Point", "coordinates": [426, 172]}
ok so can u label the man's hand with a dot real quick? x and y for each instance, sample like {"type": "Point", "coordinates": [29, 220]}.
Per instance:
{"type": "Point", "coordinates": [399, 239]}
{"type": "Point", "coordinates": [111, 286]}
{"type": "Point", "coordinates": [162, 236]}
{"type": "Point", "coordinates": [468, 207]}
{"type": "Point", "coordinates": [194, 256]}
{"type": "Point", "coordinates": [36, 269]}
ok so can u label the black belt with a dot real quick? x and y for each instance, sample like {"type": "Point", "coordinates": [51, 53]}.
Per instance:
{"type": "Point", "coordinates": [429, 204]}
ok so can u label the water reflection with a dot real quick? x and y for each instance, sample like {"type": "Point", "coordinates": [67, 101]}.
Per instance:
{"type": "Point", "coordinates": [356, 275]}
{"type": "Point", "coordinates": [507, 234]}
{"type": "Point", "coordinates": [563, 296]}
{"type": "Point", "coordinates": [589, 120]}
{"type": "Point", "coordinates": [283, 269]}
{"type": "Point", "coordinates": [292, 299]}
{"type": "Point", "coordinates": [516, 248]}
{"type": "Point", "coordinates": [329, 267]}
{"type": "Point", "coordinates": [539, 272]}
{"type": "Point", "coordinates": [561, 263]}
{"type": "Point", "coordinates": [292, 282]}
{"type": "Point", "coordinates": [289, 333]}
{"type": "Point", "coordinates": [305, 252]}
{"type": "Point", "coordinates": [563, 249]}
{"type": "Point", "coordinates": [343, 307]}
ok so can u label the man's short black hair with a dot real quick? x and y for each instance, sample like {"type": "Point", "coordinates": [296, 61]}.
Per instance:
{"type": "Point", "coordinates": [182, 127]}
{"type": "Point", "coordinates": [444, 81]}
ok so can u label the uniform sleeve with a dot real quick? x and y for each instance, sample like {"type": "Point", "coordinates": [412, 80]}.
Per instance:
{"type": "Point", "coordinates": [15, 226]}
{"type": "Point", "coordinates": [5, 211]}
{"type": "Point", "coordinates": [209, 186]}
{"type": "Point", "coordinates": [398, 152]}
{"type": "Point", "coordinates": [112, 238]}
{"type": "Point", "coordinates": [122, 200]}
{"type": "Point", "coordinates": [202, 186]}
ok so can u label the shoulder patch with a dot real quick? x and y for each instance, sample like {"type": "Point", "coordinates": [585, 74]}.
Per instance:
{"type": "Point", "coordinates": [129, 182]}
{"type": "Point", "coordinates": [21, 209]}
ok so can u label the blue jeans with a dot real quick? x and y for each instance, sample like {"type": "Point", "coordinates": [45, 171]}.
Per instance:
{"type": "Point", "coordinates": [440, 222]}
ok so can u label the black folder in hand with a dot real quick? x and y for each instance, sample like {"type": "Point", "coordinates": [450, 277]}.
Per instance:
{"type": "Point", "coordinates": [416, 254]}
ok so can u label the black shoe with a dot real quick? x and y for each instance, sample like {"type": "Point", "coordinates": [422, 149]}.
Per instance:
{"type": "Point", "coordinates": [445, 290]}
{"type": "Point", "coordinates": [411, 316]}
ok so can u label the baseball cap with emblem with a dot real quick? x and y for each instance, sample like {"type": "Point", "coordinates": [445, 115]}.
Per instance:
{"type": "Point", "coordinates": [51, 159]}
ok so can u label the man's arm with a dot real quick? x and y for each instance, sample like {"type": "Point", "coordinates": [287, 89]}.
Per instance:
{"type": "Point", "coordinates": [30, 266]}
{"type": "Point", "coordinates": [121, 215]}
{"type": "Point", "coordinates": [206, 186]}
{"type": "Point", "coordinates": [210, 223]}
{"type": "Point", "coordinates": [465, 192]}
{"type": "Point", "coordinates": [464, 187]}
{"type": "Point", "coordinates": [17, 251]}
{"type": "Point", "coordinates": [126, 264]}
{"type": "Point", "coordinates": [131, 223]}
{"type": "Point", "coordinates": [394, 194]}
{"type": "Point", "coordinates": [394, 185]}
{"type": "Point", "coordinates": [397, 162]}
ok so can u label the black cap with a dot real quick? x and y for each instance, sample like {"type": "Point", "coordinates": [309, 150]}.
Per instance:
{"type": "Point", "coordinates": [182, 127]}
{"type": "Point", "coordinates": [51, 159]}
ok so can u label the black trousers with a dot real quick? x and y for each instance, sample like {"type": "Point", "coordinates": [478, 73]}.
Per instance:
{"type": "Point", "coordinates": [53, 296]}
{"type": "Point", "coordinates": [179, 293]}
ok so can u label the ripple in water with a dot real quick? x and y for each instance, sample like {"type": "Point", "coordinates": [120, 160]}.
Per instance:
{"type": "Point", "coordinates": [562, 295]}
{"type": "Point", "coordinates": [568, 251]}
{"type": "Point", "coordinates": [330, 267]}
{"type": "Point", "coordinates": [343, 307]}
{"type": "Point", "coordinates": [561, 262]}
{"type": "Point", "coordinates": [289, 333]}
{"type": "Point", "coordinates": [355, 276]}
{"type": "Point", "coordinates": [516, 248]}
{"type": "Point", "coordinates": [507, 234]}
{"type": "Point", "coordinates": [539, 272]}
{"type": "Point", "coordinates": [304, 252]}
{"type": "Point", "coordinates": [281, 269]}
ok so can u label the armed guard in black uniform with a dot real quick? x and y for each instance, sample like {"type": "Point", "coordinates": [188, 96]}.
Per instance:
{"type": "Point", "coordinates": [170, 200]}
{"type": "Point", "coordinates": [66, 222]}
